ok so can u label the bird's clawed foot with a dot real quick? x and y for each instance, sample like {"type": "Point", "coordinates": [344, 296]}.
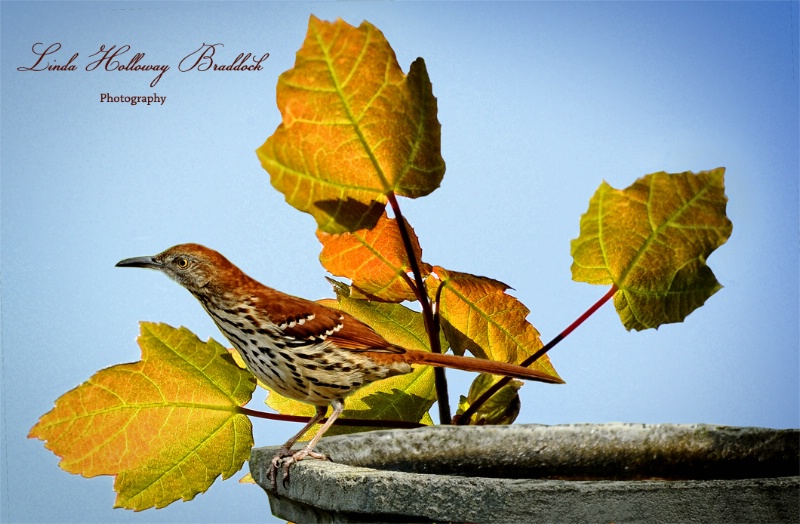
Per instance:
{"type": "Point", "coordinates": [284, 459]}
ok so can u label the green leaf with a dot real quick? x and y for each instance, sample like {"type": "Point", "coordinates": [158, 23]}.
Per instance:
{"type": "Point", "coordinates": [501, 408]}
{"type": "Point", "coordinates": [354, 129]}
{"type": "Point", "coordinates": [652, 240]}
{"type": "Point", "coordinates": [167, 426]}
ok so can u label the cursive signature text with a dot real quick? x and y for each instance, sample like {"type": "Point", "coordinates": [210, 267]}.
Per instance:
{"type": "Point", "coordinates": [122, 58]}
{"type": "Point", "coordinates": [203, 59]}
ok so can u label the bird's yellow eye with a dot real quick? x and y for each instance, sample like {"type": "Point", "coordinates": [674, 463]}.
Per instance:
{"type": "Point", "coordinates": [181, 262]}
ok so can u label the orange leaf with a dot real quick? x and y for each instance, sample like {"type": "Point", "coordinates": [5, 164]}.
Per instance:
{"type": "Point", "coordinates": [167, 426]}
{"type": "Point", "coordinates": [374, 260]}
{"type": "Point", "coordinates": [354, 129]}
{"type": "Point", "coordinates": [477, 315]}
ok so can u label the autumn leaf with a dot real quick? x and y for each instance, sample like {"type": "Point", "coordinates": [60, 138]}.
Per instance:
{"type": "Point", "coordinates": [652, 240]}
{"type": "Point", "coordinates": [247, 479]}
{"type": "Point", "coordinates": [501, 408]}
{"type": "Point", "coordinates": [167, 426]}
{"type": "Point", "coordinates": [479, 316]}
{"type": "Point", "coordinates": [403, 397]}
{"type": "Point", "coordinates": [354, 129]}
{"type": "Point", "coordinates": [375, 260]}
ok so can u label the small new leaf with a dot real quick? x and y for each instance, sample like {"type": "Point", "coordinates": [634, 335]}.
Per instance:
{"type": "Point", "coordinates": [404, 397]}
{"type": "Point", "coordinates": [479, 316]}
{"type": "Point", "coordinates": [502, 408]}
{"type": "Point", "coordinates": [375, 260]}
{"type": "Point", "coordinates": [354, 129]}
{"type": "Point", "coordinates": [652, 240]}
{"type": "Point", "coordinates": [167, 426]}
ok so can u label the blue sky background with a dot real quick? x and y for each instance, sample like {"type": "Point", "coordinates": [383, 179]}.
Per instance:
{"type": "Point", "coordinates": [539, 102]}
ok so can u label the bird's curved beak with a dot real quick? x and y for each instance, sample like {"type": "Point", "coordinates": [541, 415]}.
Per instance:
{"type": "Point", "coordinates": [146, 262]}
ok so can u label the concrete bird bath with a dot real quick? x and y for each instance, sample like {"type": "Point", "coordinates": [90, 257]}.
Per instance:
{"type": "Point", "coordinates": [527, 473]}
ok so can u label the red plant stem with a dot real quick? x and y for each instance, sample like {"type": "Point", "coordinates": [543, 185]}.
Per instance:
{"type": "Point", "coordinates": [340, 421]}
{"type": "Point", "coordinates": [440, 379]}
{"type": "Point", "coordinates": [464, 417]}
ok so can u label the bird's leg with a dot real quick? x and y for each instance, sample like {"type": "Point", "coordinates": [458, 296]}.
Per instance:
{"type": "Point", "coordinates": [307, 451]}
{"type": "Point", "coordinates": [286, 449]}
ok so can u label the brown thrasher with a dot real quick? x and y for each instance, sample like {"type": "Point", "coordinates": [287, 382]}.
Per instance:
{"type": "Point", "coordinates": [301, 349]}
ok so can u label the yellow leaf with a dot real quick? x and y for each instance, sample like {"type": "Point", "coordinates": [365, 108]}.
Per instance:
{"type": "Point", "coordinates": [247, 479]}
{"type": "Point", "coordinates": [375, 260]}
{"type": "Point", "coordinates": [354, 128]}
{"type": "Point", "coordinates": [501, 408]}
{"type": "Point", "coordinates": [651, 240]}
{"type": "Point", "coordinates": [477, 315]}
{"type": "Point", "coordinates": [167, 426]}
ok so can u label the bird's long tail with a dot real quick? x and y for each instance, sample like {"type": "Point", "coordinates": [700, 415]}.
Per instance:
{"type": "Point", "coordinates": [479, 365]}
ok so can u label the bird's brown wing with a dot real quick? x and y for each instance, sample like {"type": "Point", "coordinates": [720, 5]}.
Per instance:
{"type": "Point", "coordinates": [324, 323]}
{"type": "Point", "coordinates": [357, 336]}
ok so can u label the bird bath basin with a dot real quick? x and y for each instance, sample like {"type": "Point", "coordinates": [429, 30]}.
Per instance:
{"type": "Point", "coordinates": [580, 472]}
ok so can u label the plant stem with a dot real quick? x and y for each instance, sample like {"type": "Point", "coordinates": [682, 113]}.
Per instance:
{"type": "Point", "coordinates": [464, 417]}
{"type": "Point", "coordinates": [339, 422]}
{"type": "Point", "coordinates": [442, 395]}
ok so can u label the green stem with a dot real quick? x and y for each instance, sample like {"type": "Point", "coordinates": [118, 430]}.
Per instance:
{"type": "Point", "coordinates": [464, 417]}
{"type": "Point", "coordinates": [442, 395]}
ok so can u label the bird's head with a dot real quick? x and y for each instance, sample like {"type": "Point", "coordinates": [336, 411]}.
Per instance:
{"type": "Point", "coordinates": [193, 266]}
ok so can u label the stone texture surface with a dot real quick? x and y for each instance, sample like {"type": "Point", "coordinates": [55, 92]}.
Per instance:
{"type": "Point", "coordinates": [581, 472]}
